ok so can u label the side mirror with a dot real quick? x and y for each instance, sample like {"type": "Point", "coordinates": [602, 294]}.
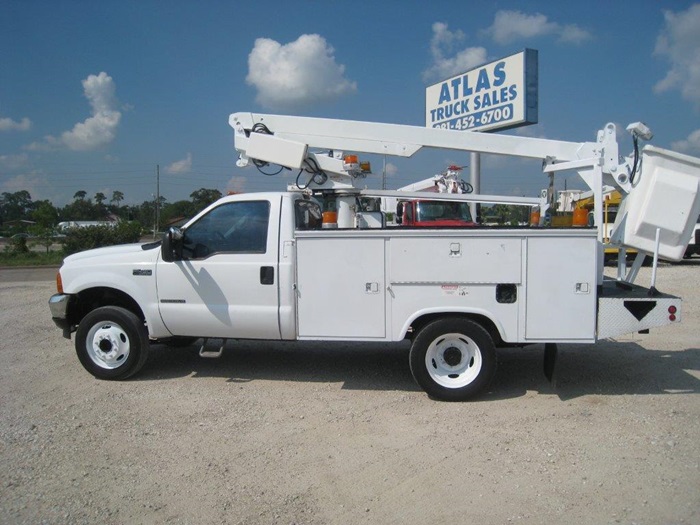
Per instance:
{"type": "Point", "coordinates": [399, 213]}
{"type": "Point", "coordinates": [171, 248]}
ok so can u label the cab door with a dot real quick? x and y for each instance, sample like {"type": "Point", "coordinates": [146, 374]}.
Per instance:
{"type": "Point", "coordinates": [226, 285]}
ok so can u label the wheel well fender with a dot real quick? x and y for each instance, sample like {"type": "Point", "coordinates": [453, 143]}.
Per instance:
{"type": "Point", "coordinates": [486, 322]}
{"type": "Point", "coordinates": [92, 298]}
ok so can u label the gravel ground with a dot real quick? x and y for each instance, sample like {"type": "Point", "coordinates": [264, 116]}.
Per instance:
{"type": "Point", "coordinates": [316, 434]}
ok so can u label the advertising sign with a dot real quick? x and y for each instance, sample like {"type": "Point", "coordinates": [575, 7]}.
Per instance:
{"type": "Point", "coordinates": [499, 95]}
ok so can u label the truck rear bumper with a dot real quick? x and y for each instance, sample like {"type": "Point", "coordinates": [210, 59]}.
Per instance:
{"type": "Point", "coordinates": [58, 304]}
{"type": "Point", "coordinates": [630, 308]}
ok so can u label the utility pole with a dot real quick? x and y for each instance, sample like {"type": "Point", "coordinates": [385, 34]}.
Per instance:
{"type": "Point", "coordinates": [157, 203]}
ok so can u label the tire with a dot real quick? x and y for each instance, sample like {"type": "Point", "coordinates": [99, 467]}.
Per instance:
{"type": "Point", "coordinates": [112, 343]}
{"type": "Point", "coordinates": [453, 359]}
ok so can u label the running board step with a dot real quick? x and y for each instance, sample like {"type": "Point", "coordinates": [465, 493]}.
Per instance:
{"type": "Point", "coordinates": [210, 353]}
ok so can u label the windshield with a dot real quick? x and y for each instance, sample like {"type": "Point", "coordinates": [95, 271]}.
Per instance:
{"type": "Point", "coordinates": [440, 211]}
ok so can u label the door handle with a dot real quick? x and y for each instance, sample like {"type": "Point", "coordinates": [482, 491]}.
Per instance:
{"type": "Point", "coordinates": [267, 275]}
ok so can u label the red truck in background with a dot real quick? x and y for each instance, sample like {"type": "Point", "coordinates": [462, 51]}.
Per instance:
{"type": "Point", "coordinates": [433, 214]}
{"type": "Point", "coordinates": [436, 213]}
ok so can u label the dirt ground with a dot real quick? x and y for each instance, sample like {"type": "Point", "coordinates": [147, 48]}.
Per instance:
{"type": "Point", "coordinates": [318, 434]}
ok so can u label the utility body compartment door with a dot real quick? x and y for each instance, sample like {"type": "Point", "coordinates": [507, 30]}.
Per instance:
{"type": "Point", "coordinates": [341, 289]}
{"type": "Point", "coordinates": [561, 288]}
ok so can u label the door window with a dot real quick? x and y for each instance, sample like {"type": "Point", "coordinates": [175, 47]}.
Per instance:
{"type": "Point", "coordinates": [234, 227]}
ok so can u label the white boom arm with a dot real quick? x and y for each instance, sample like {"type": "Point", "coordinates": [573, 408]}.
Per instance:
{"type": "Point", "coordinates": [401, 140]}
{"type": "Point", "coordinates": [659, 219]}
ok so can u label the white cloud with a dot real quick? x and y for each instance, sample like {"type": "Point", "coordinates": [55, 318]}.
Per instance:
{"type": "Point", "coordinates": [34, 182]}
{"type": "Point", "coordinates": [95, 131]}
{"type": "Point", "coordinates": [180, 166]}
{"type": "Point", "coordinates": [679, 43]}
{"type": "Point", "coordinates": [391, 169]}
{"type": "Point", "coordinates": [49, 144]}
{"type": "Point", "coordinates": [442, 45]}
{"type": "Point", "coordinates": [7, 124]}
{"type": "Point", "coordinates": [573, 34]}
{"type": "Point", "coordinates": [690, 144]}
{"type": "Point", "coordinates": [296, 74]}
{"type": "Point", "coordinates": [509, 26]}
{"type": "Point", "coordinates": [101, 128]}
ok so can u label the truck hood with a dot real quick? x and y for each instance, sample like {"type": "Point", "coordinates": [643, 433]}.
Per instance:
{"type": "Point", "coordinates": [113, 267]}
{"type": "Point", "coordinates": [112, 252]}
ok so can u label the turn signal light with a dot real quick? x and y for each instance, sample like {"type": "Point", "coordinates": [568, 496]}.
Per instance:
{"type": "Point", "coordinates": [59, 282]}
{"type": "Point", "coordinates": [351, 163]}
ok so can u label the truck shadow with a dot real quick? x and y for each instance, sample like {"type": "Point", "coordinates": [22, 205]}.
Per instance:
{"type": "Point", "coordinates": [606, 369]}
{"type": "Point", "coordinates": [358, 366]}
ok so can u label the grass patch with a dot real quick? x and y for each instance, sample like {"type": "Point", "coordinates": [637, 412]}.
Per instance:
{"type": "Point", "coordinates": [9, 258]}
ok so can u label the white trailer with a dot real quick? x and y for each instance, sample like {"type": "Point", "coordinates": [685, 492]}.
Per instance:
{"type": "Point", "coordinates": [262, 266]}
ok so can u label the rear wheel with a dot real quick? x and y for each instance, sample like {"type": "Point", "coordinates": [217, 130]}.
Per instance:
{"type": "Point", "coordinates": [453, 359]}
{"type": "Point", "coordinates": [112, 343]}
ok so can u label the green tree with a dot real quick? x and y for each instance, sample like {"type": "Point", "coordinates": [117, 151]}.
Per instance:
{"type": "Point", "coordinates": [203, 197]}
{"type": "Point", "coordinates": [117, 197]}
{"type": "Point", "coordinates": [43, 236]}
{"type": "Point", "coordinates": [80, 195]}
{"type": "Point", "coordinates": [80, 210]}
{"type": "Point", "coordinates": [177, 210]}
{"type": "Point", "coordinates": [100, 208]}
{"type": "Point", "coordinates": [45, 214]}
{"type": "Point", "coordinates": [15, 206]}
{"type": "Point", "coordinates": [144, 213]}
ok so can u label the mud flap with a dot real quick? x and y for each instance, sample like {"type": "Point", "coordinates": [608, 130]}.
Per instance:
{"type": "Point", "coordinates": [550, 363]}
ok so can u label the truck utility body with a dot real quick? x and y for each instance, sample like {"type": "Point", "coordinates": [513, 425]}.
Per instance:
{"type": "Point", "coordinates": [264, 266]}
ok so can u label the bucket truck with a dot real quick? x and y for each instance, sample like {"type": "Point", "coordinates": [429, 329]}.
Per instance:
{"type": "Point", "coordinates": [269, 266]}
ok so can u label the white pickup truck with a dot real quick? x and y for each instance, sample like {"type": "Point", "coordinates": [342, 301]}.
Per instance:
{"type": "Point", "coordinates": [263, 266]}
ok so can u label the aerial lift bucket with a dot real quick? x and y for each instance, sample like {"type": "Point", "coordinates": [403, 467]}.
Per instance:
{"type": "Point", "coordinates": [659, 214]}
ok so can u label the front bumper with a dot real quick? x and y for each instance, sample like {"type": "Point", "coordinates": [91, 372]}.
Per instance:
{"type": "Point", "coordinates": [59, 304]}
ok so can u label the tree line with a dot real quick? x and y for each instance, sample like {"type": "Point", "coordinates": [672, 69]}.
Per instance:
{"type": "Point", "coordinates": [19, 213]}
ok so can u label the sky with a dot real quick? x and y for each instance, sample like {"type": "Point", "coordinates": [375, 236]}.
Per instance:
{"type": "Point", "coordinates": [96, 96]}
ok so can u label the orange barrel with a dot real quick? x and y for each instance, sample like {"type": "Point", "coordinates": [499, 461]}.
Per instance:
{"type": "Point", "coordinates": [535, 218]}
{"type": "Point", "coordinates": [580, 217]}
{"type": "Point", "coordinates": [330, 219]}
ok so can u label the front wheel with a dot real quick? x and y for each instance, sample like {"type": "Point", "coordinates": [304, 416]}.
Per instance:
{"type": "Point", "coordinates": [112, 343]}
{"type": "Point", "coordinates": [453, 359]}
